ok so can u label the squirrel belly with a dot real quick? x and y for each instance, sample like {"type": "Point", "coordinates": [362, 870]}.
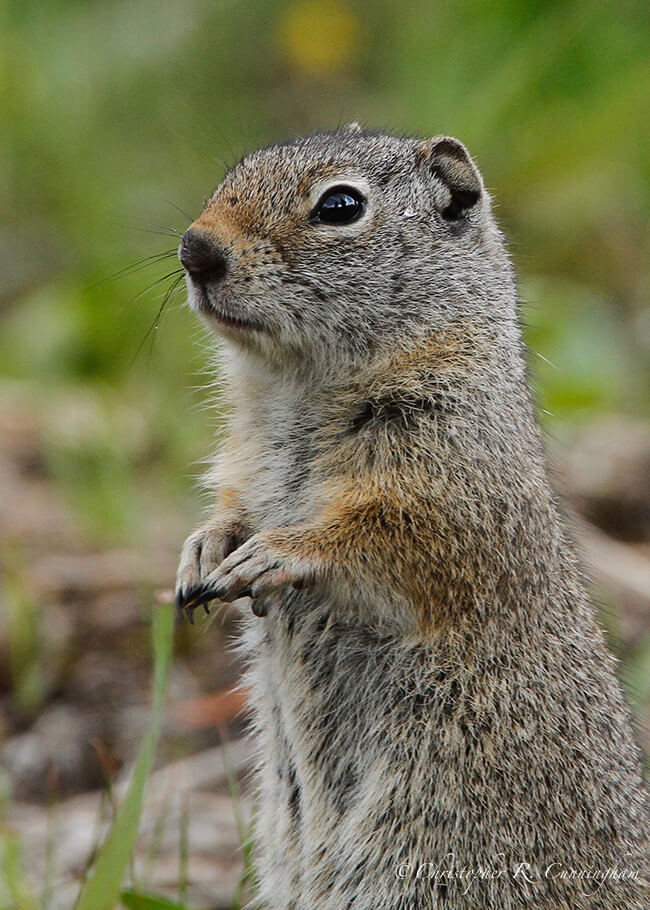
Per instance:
{"type": "Point", "coordinates": [438, 719]}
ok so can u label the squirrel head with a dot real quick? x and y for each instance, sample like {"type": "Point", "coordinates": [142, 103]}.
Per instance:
{"type": "Point", "coordinates": [330, 247]}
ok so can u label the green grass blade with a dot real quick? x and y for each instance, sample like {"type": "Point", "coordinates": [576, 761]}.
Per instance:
{"type": "Point", "coordinates": [101, 890]}
{"type": "Point", "coordinates": [136, 900]}
{"type": "Point", "coordinates": [14, 889]}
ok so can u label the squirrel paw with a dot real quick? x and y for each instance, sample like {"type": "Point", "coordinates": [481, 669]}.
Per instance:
{"type": "Point", "coordinates": [202, 553]}
{"type": "Point", "coordinates": [256, 569]}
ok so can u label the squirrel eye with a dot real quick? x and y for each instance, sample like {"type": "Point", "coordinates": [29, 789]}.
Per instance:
{"type": "Point", "coordinates": [340, 205]}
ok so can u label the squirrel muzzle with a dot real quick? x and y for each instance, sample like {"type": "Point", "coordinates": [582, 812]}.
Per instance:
{"type": "Point", "coordinates": [202, 257]}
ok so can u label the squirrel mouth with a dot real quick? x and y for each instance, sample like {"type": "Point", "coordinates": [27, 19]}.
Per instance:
{"type": "Point", "coordinates": [227, 319]}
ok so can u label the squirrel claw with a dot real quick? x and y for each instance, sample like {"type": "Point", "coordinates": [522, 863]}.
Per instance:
{"type": "Point", "coordinates": [180, 604]}
{"type": "Point", "coordinates": [187, 602]}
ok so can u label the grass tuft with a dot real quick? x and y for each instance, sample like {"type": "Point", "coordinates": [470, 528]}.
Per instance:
{"type": "Point", "coordinates": [101, 891]}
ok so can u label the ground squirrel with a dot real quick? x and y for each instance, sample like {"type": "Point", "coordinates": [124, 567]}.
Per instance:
{"type": "Point", "coordinates": [438, 720]}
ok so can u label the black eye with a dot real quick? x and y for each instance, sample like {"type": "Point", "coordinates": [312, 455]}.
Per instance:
{"type": "Point", "coordinates": [340, 205]}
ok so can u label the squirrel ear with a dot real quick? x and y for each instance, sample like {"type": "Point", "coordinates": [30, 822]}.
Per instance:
{"type": "Point", "coordinates": [448, 161]}
{"type": "Point", "coordinates": [352, 127]}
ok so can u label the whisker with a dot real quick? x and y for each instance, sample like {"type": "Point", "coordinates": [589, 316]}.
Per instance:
{"type": "Point", "coordinates": [163, 228]}
{"type": "Point", "coordinates": [154, 325]}
{"type": "Point", "coordinates": [162, 233]}
{"type": "Point", "coordinates": [207, 142]}
{"type": "Point", "coordinates": [161, 312]}
{"type": "Point", "coordinates": [134, 267]}
{"type": "Point", "coordinates": [179, 209]}
{"type": "Point", "coordinates": [244, 135]}
{"type": "Point", "coordinates": [179, 273]}
{"type": "Point", "coordinates": [230, 148]}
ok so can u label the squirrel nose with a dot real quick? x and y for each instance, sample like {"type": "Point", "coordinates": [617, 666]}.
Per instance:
{"type": "Point", "coordinates": [202, 258]}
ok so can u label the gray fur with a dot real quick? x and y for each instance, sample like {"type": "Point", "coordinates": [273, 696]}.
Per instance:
{"type": "Point", "coordinates": [438, 692]}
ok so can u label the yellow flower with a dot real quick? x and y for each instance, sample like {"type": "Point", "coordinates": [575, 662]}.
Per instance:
{"type": "Point", "coordinates": [318, 35]}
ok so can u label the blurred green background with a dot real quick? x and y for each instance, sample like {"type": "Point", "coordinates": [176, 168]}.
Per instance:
{"type": "Point", "coordinates": [113, 113]}
{"type": "Point", "coordinates": [119, 116]}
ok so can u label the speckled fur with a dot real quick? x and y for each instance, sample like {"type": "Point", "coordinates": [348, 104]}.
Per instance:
{"type": "Point", "coordinates": [435, 684]}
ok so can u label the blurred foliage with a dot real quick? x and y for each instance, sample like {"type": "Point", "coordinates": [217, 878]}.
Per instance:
{"type": "Point", "coordinates": [25, 645]}
{"type": "Point", "coordinates": [120, 116]}
{"type": "Point", "coordinates": [116, 114]}
{"type": "Point", "coordinates": [101, 889]}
